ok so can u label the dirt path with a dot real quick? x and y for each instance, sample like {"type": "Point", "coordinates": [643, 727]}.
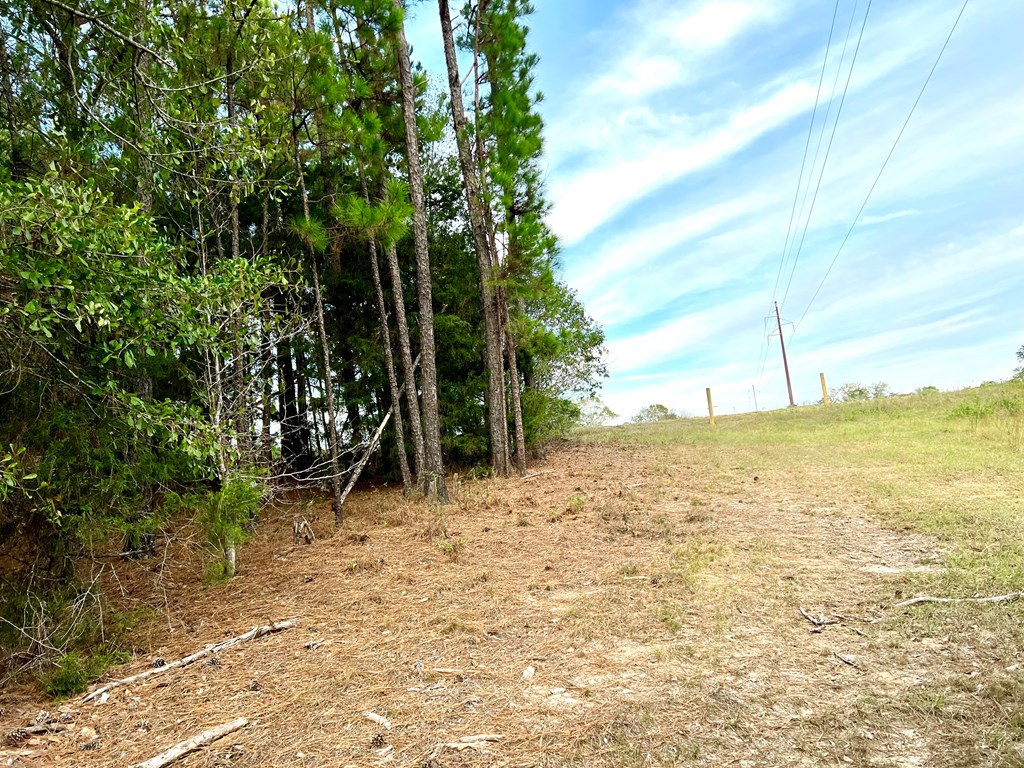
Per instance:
{"type": "Point", "coordinates": [627, 607]}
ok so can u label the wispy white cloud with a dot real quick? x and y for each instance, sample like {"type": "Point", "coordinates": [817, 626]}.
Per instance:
{"type": "Point", "coordinates": [586, 200]}
{"type": "Point", "coordinates": [617, 143]}
{"type": "Point", "coordinates": [668, 43]}
{"type": "Point", "coordinates": [884, 217]}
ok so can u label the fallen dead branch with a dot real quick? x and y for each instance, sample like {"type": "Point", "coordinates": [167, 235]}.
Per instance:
{"type": "Point", "coordinates": [819, 622]}
{"type": "Point", "coordinates": [537, 474]}
{"type": "Point", "coordinates": [478, 742]}
{"type": "Point", "coordinates": [996, 599]}
{"type": "Point", "coordinates": [843, 617]}
{"type": "Point", "coordinates": [183, 748]}
{"type": "Point", "coordinates": [378, 719]}
{"type": "Point", "coordinates": [472, 741]}
{"type": "Point", "coordinates": [846, 660]}
{"type": "Point", "coordinates": [100, 694]}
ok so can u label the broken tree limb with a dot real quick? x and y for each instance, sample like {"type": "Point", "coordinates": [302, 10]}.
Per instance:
{"type": "Point", "coordinates": [537, 474]}
{"type": "Point", "coordinates": [474, 742]}
{"type": "Point", "coordinates": [478, 742]}
{"type": "Point", "coordinates": [362, 463]}
{"type": "Point", "coordinates": [378, 719]}
{"type": "Point", "coordinates": [819, 622]}
{"type": "Point", "coordinates": [183, 748]}
{"type": "Point", "coordinates": [252, 634]}
{"type": "Point", "coordinates": [339, 514]}
{"type": "Point", "coordinates": [846, 659]}
{"type": "Point", "coordinates": [996, 599]}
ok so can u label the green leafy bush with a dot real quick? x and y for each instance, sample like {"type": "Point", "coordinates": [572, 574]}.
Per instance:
{"type": "Point", "coordinates": [76, 671]}
{"type": "Point", "coordinates": [225, 516]}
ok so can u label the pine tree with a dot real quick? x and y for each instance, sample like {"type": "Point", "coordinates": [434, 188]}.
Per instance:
{"type": "Point", "coordinates": [475, 202]}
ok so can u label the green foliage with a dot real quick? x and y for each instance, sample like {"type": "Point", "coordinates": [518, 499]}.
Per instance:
{"type": "Point", "coordinates": [1018, 373]}
{"type": "Point", "coordinates": [77, 670]}
{"type": "Point", "coordinates": [157, 213]}
{"type": "Point", "coordinates": [311, 232]}
{"type": "Point", "coordinates": [225, 515]}
{"type": "Point", "coordinates": [69, 637]}
{"type": "Point", "coordinates": [594, 413]}
{"type": "Point", "coordinates": [655, 412]}
{"type": "Point", "coordinates": [547, 417]}
{"type": "Point", "coordinates": [859, 393]}
{"type": "Point", "coordinates": [100, 405]}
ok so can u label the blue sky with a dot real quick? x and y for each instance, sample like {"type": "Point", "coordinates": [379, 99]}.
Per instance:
{"type": "Point", "coordinates": [675, 133]}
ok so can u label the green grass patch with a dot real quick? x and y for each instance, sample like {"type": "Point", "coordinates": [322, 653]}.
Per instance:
{"type": "Point", "coordinates": [947, 464]}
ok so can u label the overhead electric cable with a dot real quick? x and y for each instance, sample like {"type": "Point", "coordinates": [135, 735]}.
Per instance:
{"type": "Point", "coordinates": [814, 162]}
{"type": "Point", "coordinates": [807, 146]}
{"type": "Point", "coordinates": [828, 149]}
{"type": "Point", "coordinates": [884, 164]}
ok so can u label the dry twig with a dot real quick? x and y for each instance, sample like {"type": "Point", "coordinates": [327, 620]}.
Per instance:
{"type": "Point", "coordinates": [996, 599]}
{"type": "Point", "coordinates": [536, 474]}
{"type": "Point", "coordinates": [819, 622]}
{"type": "Point", "coordinates": [846, 660]}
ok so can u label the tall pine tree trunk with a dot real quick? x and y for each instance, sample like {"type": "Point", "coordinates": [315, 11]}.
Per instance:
{"type": "Point", "coordinates": [405, 351]}
{"type": "Point", "coordinates": [434, 485]}
{"type": "Point", "coordinates": [389, 359]}
{"type": "Point", "coordinates": [496, 384]}
{"type": "Point", "coordinates": [240, 409]}
{"type": "Point", "coordinates": [514, 389]}
{"type": "Point", "coordinates": [332, 436]}
{"type": "Point", "coordinates": [389, 364]}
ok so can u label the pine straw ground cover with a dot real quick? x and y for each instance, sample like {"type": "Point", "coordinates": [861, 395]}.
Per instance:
{"type": "Point", "coordinates": [633, 605]}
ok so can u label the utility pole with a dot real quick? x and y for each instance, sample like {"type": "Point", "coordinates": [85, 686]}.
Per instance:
{"type": "Point", "coordinates": [753, 388]}
{"type": "Point", "coordinates": [785, 362]}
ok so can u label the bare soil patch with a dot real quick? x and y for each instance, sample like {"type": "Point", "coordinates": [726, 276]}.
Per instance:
{"type": "Point", "coordinates": [628, 607]}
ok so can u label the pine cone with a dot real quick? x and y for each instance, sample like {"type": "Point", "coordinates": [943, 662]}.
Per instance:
{"type": "Point", "coordinates": [43, 718]}
{"type": "Point", "coordinates": [378, 741]}
{"type": "Point", "coordinates": [16, 737]}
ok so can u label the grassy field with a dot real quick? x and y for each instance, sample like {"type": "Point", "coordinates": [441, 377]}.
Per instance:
{"type": "Point", "coordinates": [948, 464]}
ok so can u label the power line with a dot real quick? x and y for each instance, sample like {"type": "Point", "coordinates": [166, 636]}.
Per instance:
{"type": "Point", "coordinates": [828, 149]}
{"type": "Point", "coordinates": [803, 163]}
{"type": "Point", "coordinates": [824, 125]}
{"type": "Point", "coordinates": [764, 352]}
{"type": "Point", "coordinates": [884, 164]}
{"type": "Point", "coordinates": [807, 146]}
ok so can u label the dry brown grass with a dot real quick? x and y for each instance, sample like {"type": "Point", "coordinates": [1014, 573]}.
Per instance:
{"type": "Point", "coordinates": [654, 592]}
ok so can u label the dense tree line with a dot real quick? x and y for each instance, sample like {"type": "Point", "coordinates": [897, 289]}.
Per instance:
{"type": "Point", "coordinates": [239, 236]}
